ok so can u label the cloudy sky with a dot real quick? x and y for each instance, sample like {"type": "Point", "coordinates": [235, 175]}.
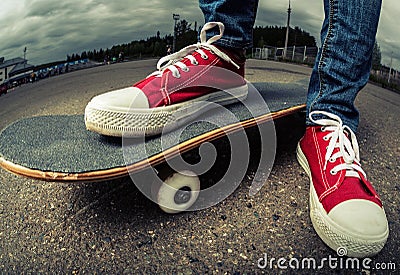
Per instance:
{"type": "Point", "coordinates": [51, 29]}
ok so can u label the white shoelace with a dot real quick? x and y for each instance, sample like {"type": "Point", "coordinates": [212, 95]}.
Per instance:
{"type": "Point", "coordinates": [173, 61]}
{"type": "Point", "coordinates": [347, 144]}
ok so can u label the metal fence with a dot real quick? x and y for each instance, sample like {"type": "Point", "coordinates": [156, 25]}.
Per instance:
{"type": "Point", "coordinates": [301, 54]}
{"type": "Point", "coordinates": [387, 77]}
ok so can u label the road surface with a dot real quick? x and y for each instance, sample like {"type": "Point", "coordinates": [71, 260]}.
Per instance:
{"type": "Point", "coordinates": [109, 227]}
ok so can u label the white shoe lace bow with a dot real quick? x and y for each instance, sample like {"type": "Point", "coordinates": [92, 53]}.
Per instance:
{"type": "Point", "coordinates": [173, 61]}
{"type": "Point", "coordinates": [347, 144]}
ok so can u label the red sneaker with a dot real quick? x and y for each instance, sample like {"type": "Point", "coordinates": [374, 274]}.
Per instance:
{"type": "Point", "coordinates": [186, 84]}
{"type": "Point", "coordinates": [345, 210]}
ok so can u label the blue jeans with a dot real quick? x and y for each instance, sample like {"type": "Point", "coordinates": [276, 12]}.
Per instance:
{"type": "Point", "coordinates": [344, 60]}
{"type": "Point", "coordinates": [238, 17]}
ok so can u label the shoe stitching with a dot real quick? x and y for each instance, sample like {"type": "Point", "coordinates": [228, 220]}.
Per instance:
{"type": "Point", "coordinates": [193, 78]}
{"type": "Point", "coordinates": [348, 148]}
{"type": "Point", "coordinates": [324, 179]}
{"type": "Point", "coordinates": [336, 185]}
{"type": "Point", "coordinates": [175, 60]}
{"type": "Point", "coordinates": [203, 71]}
{"type": "Point", "coordinates": [164, 91]}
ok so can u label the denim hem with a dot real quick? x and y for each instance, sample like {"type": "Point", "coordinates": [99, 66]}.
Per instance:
{"type": "Point", "coordinates": [346, 122]}
{"type": "Point", "coordinates": [324, 54]}
{"type": "Point", "coordinates": [238, 16]}
{"type": "Point", "coordinates": [344, 61]}
{"type": "Point", "coordinates": [232, 44]}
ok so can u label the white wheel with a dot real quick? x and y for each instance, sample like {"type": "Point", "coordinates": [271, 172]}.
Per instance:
{"type": "Point", "coordinates": [178, 192]}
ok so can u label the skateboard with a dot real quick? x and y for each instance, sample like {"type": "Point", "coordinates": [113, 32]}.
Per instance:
{"type": "Point", "coordinates": [59, 148]}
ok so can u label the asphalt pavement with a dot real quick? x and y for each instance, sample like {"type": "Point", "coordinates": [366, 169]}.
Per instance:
{"type": "Point", "coordinates": [110, 227]}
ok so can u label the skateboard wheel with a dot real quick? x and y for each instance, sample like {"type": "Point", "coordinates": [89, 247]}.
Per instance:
{"type": "Point", "coordinates": [178, 192]}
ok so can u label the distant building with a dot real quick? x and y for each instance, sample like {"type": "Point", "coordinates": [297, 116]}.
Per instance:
{"type": "Point", "coordinates": [14, 69]}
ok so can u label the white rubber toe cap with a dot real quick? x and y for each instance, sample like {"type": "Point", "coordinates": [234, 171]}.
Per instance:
{"type": "Point", "coordinates": [121, 100]}
{"type": "Point", "coordinates": [361, 218]}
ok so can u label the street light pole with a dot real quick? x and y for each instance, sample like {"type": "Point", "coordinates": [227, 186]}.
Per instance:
{"type": "Point", "coordinates": [176, 18]}
{"type": "Point", "coordinates": [24, 56]}
{"type": "Point", "coordinates": [287, 31]}
{"type": "Point", "coordinates": [390, 67]}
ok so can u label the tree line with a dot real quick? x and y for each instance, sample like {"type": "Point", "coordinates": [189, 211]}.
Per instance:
{"type": "Point", "coordinates": [157, 46]}
{"type": "Point", "coordinates": [153, 46]}
{"type": "Point", "coordinates": [275, 36]}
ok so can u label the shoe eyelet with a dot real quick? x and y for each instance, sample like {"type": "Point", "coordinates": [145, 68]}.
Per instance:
{"type": "Point", "coordinates": [333, 173]}
{"type": "Point", "coordinates": [205, 57]}
{"type": "Point", "coordinates": [177, 76]}
{"type": "Point", "coordinates": [323, 129]}
{"type": "Point", "coordinates": [195, 63]}
{"type": "Point", "coordinates": [325, 138]}
{"type": "Point", "coordinates": [186, 69]}
{"type": "Point", "coordinates": [332, 160]}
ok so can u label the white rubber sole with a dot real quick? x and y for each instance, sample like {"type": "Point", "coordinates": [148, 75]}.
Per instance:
{"type": "Point", "coordinates": [147, 122]}
{"type": "Point", "coordinates": [334, 235]}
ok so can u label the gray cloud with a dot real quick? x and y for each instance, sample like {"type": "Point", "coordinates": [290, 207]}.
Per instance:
{"type": "Point", "coordinates": [52, 29]}
{"type": "Point", "coordinates": [309, 19]}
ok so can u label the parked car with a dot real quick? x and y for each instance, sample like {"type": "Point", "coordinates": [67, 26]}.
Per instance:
{"type": "Point", "coordinates": [3, 88]}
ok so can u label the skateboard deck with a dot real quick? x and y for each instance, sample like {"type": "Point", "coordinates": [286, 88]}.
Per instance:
{"type": "Point", "coordinates": [59, 148]}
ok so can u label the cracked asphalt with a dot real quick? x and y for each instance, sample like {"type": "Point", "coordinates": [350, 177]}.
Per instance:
{"type": "Point", "coordinates": [110, 227]}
